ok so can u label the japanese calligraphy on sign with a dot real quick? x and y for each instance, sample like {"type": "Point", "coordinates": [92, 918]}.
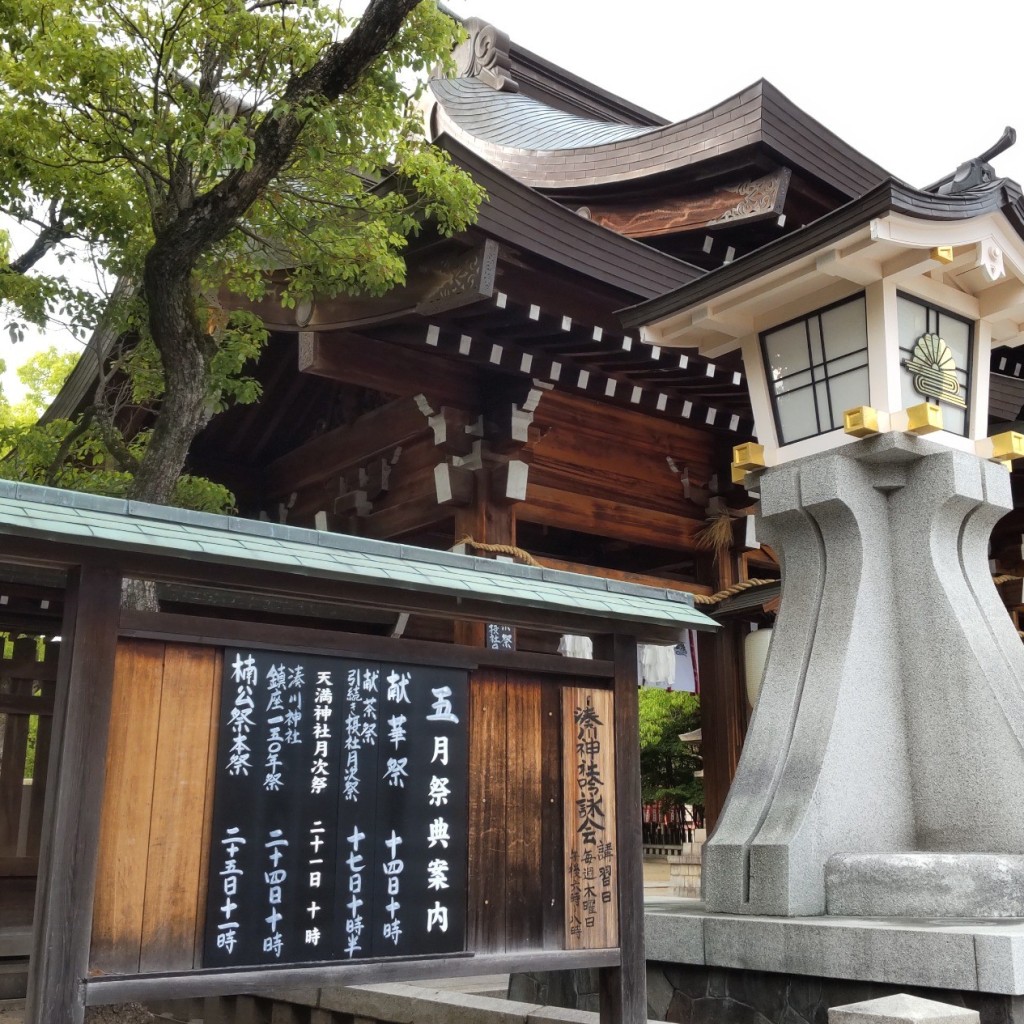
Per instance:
{"type": "Point", "coordinates": [339, 826]}
{"type": "Point", "coordinates": [591, 854]}
{"type": "Point", "coordinates": [500, 637]}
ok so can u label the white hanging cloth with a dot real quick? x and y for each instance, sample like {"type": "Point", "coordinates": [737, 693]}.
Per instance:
{"type": "Point", "coordinates": [576, 646]}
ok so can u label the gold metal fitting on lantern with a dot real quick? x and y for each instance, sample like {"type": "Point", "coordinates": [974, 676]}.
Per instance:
{"type": "Point", "coordinates": [861, 422]}
{"type": "Point", "coordinates": [925, 418]}
{"type": "Point", "coordinates": [1007, 446]}
{"type": "Point", "coordinates": [748, 456]}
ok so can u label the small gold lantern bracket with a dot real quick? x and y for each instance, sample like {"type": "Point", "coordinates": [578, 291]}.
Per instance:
{"type": "Point", "coordinates": [925, 418]}
{"type": "Point", "coordinates": [861, 421]}
{"type": "Point", "coordinates": [746, 458]}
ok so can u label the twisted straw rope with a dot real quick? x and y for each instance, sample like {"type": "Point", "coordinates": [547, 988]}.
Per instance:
{"type": "Point", "coordinates": [525, 556]}
{"type": "Point", "coordinates": [499, 549]}
{"type": "Point", "coordinates": [736, 588]}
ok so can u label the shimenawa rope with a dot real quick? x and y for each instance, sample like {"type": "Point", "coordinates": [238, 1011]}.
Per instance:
{"type": "Point", "coordinates": [525, 556]}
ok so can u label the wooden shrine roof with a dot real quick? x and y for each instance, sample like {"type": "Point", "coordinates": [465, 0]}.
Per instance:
{"type": "Point", "coordinates": [52, 526]}
{"type": "Point", "coordinates": [547, 149]}
{"type": "Point", "coordinates": [512, 119]}
{"type": "Point", "coordinates": [518, 215]}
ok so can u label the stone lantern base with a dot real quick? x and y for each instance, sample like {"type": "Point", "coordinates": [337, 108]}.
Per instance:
{"type": "Point", "coordinates": [891, 718]}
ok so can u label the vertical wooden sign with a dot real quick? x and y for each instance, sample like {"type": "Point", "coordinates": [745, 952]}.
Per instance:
{"type": "Point", "coordinates": [591, 849]}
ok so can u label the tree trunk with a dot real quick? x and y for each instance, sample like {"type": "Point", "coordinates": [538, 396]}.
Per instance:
{"type": "Point", "coordinates": [139, 595]}
{"type": "Point", "coordinates": [185, 352]}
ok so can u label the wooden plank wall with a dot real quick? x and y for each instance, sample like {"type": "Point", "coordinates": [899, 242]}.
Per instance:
{"type": "Point", "coordinates": [516, 887]}
{"type": "Point", "coordinates": [154, 833]}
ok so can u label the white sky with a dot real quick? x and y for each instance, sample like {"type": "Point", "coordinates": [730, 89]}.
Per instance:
{"type": "Point", "coordinates": [918, 89]}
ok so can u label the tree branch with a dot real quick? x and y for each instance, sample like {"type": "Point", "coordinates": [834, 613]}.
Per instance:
{"type": "Point", "coordinates": [263, 4]}
{"type": "Point", "coordinates": [49, 237]}
{"type": "Point", "coordinates": [212, 216]}
{"type": "Point", "coordinates": [65, 447]}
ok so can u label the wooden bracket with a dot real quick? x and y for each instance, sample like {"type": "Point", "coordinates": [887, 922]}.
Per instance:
{"type": "Point", "coordinates": [362, 486]}
{"type": "Point", "coordinates": [506, 425]}
{"type": "Point", "coordinates": [454, 485]}
{"type": "Point", "coordinates": [508, 482]}
{"type": "Point", "coordinates": [455, 430]}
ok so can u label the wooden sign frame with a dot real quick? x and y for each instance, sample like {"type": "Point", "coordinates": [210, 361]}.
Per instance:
{"type": "Point", "coordinates": [72, 968]}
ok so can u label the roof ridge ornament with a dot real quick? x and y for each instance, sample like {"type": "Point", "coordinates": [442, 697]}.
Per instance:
{"type": "Point", "coordinates": [486, 55]}
{"type": "Point", "coordinates": [974, 172]}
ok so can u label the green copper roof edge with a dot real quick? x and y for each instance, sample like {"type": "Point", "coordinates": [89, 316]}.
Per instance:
{"type": "Point", "coordinates": [100, 521]}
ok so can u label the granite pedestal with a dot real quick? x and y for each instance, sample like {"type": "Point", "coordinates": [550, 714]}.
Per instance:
{"type": "Point", "coordinates": [891, 715]}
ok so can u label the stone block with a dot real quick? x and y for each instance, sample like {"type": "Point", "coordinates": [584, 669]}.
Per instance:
{"type": "Point", "coordinates": [1000, 959]}
{"type": "Point", "coordinates": [674, 938]}
{"type": "Point", "coordinates": [659, 992]}
{"type": "Point", "coordinates": [559, 1014]}
{"type": "Point", "coordinates": [381, 1002]}
{"type": "Point", "coordinates": [902, 1009]}
{"type": "Point", "coordinates": [930, 885]}
{"type": "Point", "coordinates": [935, 957]}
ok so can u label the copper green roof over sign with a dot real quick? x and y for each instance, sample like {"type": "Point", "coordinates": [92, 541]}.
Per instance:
{"type": "Point", "coordinates": [57, 517]}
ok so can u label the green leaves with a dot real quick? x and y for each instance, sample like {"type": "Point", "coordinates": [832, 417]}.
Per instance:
{"type": "Point", "coordinates": [198, 132]}
{"type": "Point", "coordinates": [666, 764]}
{"type": "Point", "coordinates": [63, 454]}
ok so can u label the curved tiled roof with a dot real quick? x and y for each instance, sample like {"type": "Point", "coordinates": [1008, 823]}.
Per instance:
{"type": "Point", "coordinates": [554, 150]}
{"type": "Point", "coordinates": [530, 221]}
{"type": "Point", "coordinates": [519, 122]}
{"type": "Point", "coordinates": [891, 196]}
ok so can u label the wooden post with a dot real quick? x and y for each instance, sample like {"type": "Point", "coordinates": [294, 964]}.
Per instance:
{"type": "Point", "coordinates": [723, 714]}
{"type": "Point", "coordinates": [723, 700]}
{"type": "Point", "coordinates": [488, 522]}
{"type": "Point", "coordinates": [67, 864]}
{"type": "Point", "coordinates": [623, 989]}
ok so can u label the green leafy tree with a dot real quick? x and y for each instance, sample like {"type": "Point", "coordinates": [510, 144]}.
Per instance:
{"type": "Point", "coordinates": [42, 376]}
{"type": "Point", "coordinates": [666, 764]}
{"type": "Point", "coordinates": [68, 454]}
{"type": "Point", "coordinates": [203, 151]}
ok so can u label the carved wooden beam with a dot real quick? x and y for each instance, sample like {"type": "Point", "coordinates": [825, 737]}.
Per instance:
{"type": "Point", "coordinates": [434, 283]}
{"type": "Point", "coordinates": [391, 369]}
{"type": "Point", "coordinates": [462, 280]}
{"type": "Point", "coordinates": [745, 201]}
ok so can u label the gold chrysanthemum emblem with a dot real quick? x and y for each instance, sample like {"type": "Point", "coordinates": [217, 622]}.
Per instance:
{"type": "Point", "coordinates": [934, 370]}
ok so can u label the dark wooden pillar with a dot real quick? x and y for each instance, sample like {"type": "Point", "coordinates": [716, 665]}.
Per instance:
{"type": "Point", "coordinates": [623, 989]}
{"type": "Point", "coordinates": [488, 522]}
{"type": "Point", "coordinates": [723, 712]}
{"type": "Point", "coordinates": [71, 820]}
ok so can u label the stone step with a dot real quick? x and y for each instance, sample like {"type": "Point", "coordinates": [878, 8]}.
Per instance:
{"type": "Point", "coordinates": [13, 979]}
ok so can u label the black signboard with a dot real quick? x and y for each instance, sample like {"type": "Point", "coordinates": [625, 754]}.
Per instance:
{"type": "Point", "coordinates": [339, 824]}
{"type": "Point", "coordinates": [500, 637]}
